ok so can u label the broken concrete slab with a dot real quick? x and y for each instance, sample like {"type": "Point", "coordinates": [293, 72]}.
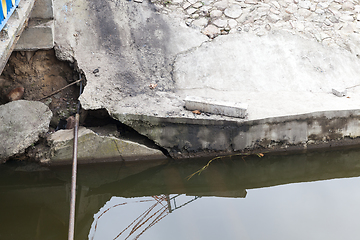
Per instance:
{"type": "Point", "coordinates": [21, 123]}
{"type": "Point", "coordinates": [93, 147]}
{"type": "Point", "coordinates": [140, 65]}
{"type": "Point", "coordinates": [130, 44]}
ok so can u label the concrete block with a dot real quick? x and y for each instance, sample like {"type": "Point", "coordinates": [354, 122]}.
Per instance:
{"type": "Point", "coordinates": [93, 147]}
{"type": "Point", "coordinates": [231, 109]}
{"type": "Point", "coordinates": [39, 34]}
{"type": "Point", "coordinates": [43, 9]}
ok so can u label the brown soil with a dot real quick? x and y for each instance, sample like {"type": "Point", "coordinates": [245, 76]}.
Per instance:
{"type": "Point", "coordinates": [40, 73]}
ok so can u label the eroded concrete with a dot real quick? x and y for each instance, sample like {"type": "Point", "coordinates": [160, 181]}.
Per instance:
{"type": "Point", "coordinates": [140, 65]}
{"type": "Point", "coordinates": [93, 147]}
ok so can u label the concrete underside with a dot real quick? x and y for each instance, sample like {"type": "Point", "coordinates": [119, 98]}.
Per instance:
{"type": "Point", "coordinates": [124, 47]}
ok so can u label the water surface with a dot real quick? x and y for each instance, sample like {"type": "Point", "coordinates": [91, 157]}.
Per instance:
{"type": "Point", "coordinates": [305, 196]}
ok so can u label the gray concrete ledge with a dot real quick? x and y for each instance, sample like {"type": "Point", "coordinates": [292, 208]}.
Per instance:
{"type": "Point", "coordinates": [184, 137]}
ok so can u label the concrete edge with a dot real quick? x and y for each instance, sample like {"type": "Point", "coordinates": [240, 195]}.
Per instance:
{"type": "Point", "coordinates": [126, 118]}
{"type": "Point", "coordinates": [13, 30]}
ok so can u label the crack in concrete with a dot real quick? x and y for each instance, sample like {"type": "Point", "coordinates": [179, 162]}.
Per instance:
{"type": "Point", "coordinates": [117, 148]}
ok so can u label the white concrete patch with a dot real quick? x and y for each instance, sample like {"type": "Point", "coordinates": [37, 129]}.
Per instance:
{"type": "Point", "coordinates": [277, 75]}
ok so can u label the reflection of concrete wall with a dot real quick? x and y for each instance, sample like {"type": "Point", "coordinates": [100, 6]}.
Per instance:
{"type": "Point", "coordinates": [40, 199]}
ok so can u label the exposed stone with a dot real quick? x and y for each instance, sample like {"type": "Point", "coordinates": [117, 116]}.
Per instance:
{"type": "Point", "coordinates": [347, 18]}
{"type": "Point", "coordinates": [211, 31]}
{"type": "Point", "coordinates": [292, 8]}
{"type": "Point", "coordinates": [233, 11]}
{"type": "Point", "coordinates": [275, 11]}
{"type": "Point", "coordinates": [191, 10]}
{"type": "Point", "coordinates": [232, 23]}
{"type": "Point", "coordinates": [192, 1]}
{"type": "Point", "coordinates": [186, 5]}
{"type": "Point", "coordinates": [207, 2]}
{"type": "Point", "coordinates": [197, 5]}
{"type": "Point", "coordinates": [92, 146]}
{"type": "Point", "coordinates": [201, 22]}
{"type": "Point", "coordinates": [305, 4]}
{"type": "Point", "coordinates": [221, 5]}
{"type": "Point", "coordinates": [304, 13]}
{"type": "Point", "coordinates": [216, 13]}
{"type": "Point", "coordinates": [275, 4]}
{"type": "Point", "coordinates": [346, 6]}
{"type": "Point", "coordinates": [253, 2]}
{"type": "Point", "coordinates": [273, 18]}
{"type": "Point", "coordinates": [220, 23]}
{"type": "Point", "coordinates": [21, 123]}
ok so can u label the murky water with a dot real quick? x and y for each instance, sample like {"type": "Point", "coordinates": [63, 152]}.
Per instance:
{"type": "Point", "coordinates": [307, 196]}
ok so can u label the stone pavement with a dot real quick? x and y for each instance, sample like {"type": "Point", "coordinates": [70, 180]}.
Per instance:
{"type": "Point", "coordinates": [329, 22]}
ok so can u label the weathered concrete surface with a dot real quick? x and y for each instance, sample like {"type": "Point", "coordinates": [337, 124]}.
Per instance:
{"type": "Point", "coordinates": [21, 123]}
{"type": "Point", "coordinates": [130, 44]}
{"type": "Point", "coordinates": [285, 76]}
{"type": "Point", "coordinates": [93, 147]}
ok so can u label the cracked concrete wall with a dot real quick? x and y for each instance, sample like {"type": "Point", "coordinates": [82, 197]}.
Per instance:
{"type": "Point", "coordinates": [189, 137]}
{"type": "Point", "coordinates": [140, 63]}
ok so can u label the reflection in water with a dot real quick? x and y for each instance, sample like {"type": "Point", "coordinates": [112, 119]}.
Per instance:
{"type": "Point", "coordinates": [259, 198]}
{"type": "Point", "coordinates": [164, 204]}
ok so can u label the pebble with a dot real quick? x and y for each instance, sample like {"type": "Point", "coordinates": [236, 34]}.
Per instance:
{"type": "Point", "coordinates": [186, 5]}
{"type": "Point", "coordinates": [232, 23]}
{"type": "Point", "coordinates": [220, 23]}
{"type": "Point", "coordinates": [201, 22]}
{"type": "Point", "coordinates": [216, 13]}
{"type": "Point", "coordinates": [211, 31]}
{"type": "Point", "coordinates": [197, 5]}
{"type": "Point", "coordinates": [347, 6]}
{"type": "Point", "coordinates": [191, 10]}
{"type": "Point", "coordinates": [221, 5]}
{"type": "Point", "coordinates": [15, 94]}
{"type": "Point", "coordinates": [233, 11]}
{"type": "Point", "coordinates": [305, 4]}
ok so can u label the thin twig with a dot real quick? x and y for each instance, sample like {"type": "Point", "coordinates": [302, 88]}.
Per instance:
{"type": "Point", "coordinates": [353, 86]}
{"type": "Point", "coordinates": [53, 93]}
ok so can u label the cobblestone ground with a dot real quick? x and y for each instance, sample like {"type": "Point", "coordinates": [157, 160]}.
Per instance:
{"type": "Point", "coordinates": [334, 23]}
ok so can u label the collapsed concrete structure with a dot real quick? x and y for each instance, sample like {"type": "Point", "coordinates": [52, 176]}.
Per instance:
{"type": "Point", "coordinates": [283, 71]}
{"type": "Point", "coordinates": [283, 59]}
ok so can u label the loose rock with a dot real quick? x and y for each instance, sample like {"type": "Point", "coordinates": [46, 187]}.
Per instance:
{"type": "Point", "coordinates": [21, 123]}
{"type": "Point", "coordinates": [234, 11]}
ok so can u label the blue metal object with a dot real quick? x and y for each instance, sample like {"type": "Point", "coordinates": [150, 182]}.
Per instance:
{"type": "Point", "coordinates": [7, 8]}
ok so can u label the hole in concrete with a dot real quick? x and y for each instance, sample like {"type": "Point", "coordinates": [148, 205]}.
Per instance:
{"type": "Point", "coordinates": [100, 118]}
{"type": "Point", "coordinates": [40, 73]}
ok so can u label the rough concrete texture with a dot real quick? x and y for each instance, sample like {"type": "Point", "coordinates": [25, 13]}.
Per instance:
{"type": "Point", "coordinates": [126, 48]}
{"type": "Point", "coordinates": [21, 123]}
{"type": "Point", "coordinates": [93, 147]}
